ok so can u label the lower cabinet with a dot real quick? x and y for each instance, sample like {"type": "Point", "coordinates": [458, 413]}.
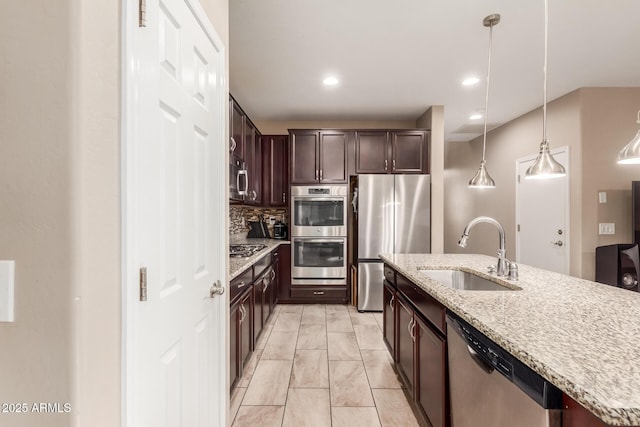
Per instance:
{"type": "Point", "coordinates": [419, 350]}
{"type": "Point", "coordinates": [240, 334]}
{"type": "Point", "coordinates": [431, 377]}
{"type": "Point", "coordinates": [388, 317]}
{"type": "Point", "coordinates": [574, 415]}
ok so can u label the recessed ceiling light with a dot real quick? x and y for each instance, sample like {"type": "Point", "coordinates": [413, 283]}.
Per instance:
{"type": "Point", "coordinates": [475, 116]}
{"type": "Point", "coordinates": [330, 81]}
{"type": "Point", "coordinates": [470, 81]}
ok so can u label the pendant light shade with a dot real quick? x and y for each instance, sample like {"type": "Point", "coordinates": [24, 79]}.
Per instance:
{"type": "Point", "coordinates": [630, 154]}
{"type": "Point", "coordinates": [545, 166]}
{"type": "Point", "coordinates": [482, 179]}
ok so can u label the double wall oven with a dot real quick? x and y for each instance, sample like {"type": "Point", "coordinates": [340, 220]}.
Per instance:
{"type": "Point", "coordinates": [319, 235]}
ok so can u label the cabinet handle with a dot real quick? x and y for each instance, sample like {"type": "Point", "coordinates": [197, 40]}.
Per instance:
{"type": "Point", "coordinates": [243, 312]}
{"type": "Point", "coordinates": [413, 330]}
{"type": "Point", "coordinates": [318, 293]}
{"type": "Point", "coordinates": [284, 198]}
{"type": "Point", "coordinates": [316, 174]}
{"type": "Point", "coordinates": [391, 302]}
{"type": "Point", "coordinates": [273, 274]}
{"type": "Point", "coordinates": [394, 164]}
{"type": "Point", "coordinates": [234, 145]}
{"type": "Point", "coordinates": [320, 174]}
{"type": "Point", "coordinates": [385, 165]}
{"type": "Point", "coordinates": [241, 285]}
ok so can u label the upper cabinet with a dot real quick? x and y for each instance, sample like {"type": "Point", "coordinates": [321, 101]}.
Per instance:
{"type": "Point", "coordinates": [318, 156]}
{"type": "Point", "coordinates": [253, 163]}
{"type": "Point", "coordinates": [397, 151]}
{"type": "Point", "coordinates": [236, 128]}
{"type": "Point", "coordinates": [275, 168]}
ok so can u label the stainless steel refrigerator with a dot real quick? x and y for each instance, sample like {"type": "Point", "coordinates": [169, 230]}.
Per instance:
{"type": "Point", "coordinates": [394, 216]}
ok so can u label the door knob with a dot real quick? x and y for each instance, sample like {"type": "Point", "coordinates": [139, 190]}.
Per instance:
{"type": "Point", "coordinates": [216, 289]}
{"type": "Point", "coordinates": [558, 243]}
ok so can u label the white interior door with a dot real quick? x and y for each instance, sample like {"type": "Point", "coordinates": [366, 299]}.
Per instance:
{"type": "Point", "coordinates": [542, 217]}
{"type": "Point", "coordinates": [174, 174]}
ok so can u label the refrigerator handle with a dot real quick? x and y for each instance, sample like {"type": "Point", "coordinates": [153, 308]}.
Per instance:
{"type": "Point", "coordinates": [354, 202]}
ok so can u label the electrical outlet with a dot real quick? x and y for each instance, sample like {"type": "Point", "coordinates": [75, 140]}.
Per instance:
{"type": "Point", "coordinates": [607, 228]}
{"type": "Point", "coordinates": [272, 220]}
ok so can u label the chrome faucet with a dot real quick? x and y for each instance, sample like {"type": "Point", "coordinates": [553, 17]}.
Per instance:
{"type": "Point", "coordinates": [502, 269]}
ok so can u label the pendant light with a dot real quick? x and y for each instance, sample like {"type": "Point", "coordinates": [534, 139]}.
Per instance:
{"type": "Point", "coordinates": [545, 166]}
{"type": "Point", "coordinates": [630, 154]}
{"type": "Point", "coordinates": [482, 179]}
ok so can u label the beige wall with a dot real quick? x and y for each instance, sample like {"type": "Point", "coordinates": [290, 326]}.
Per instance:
{"type": "Point", "coordinates": [595, 123]}
{"type": "Point", "coordinates": [518, 138]}
{"type": "Point", "coordinates": [60, 165]}
{"type": "Point", "coordinates": [433, 119]}
{"type": "Point", "coordinates": [281, 127]}
{"type": "Point", "coordinates": [608, 124]}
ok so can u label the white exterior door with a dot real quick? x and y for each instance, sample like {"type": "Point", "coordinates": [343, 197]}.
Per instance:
{"type": "Point", "coordinates": [174, 218]}
{"type": "Point", "coordinates": [542, 217]}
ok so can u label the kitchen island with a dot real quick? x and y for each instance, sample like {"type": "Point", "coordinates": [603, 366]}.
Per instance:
{"type": "Point", "coordinates": [582, 336]}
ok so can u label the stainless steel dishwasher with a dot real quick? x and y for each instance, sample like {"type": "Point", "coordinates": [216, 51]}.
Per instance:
{"type": "Point", "coordinates": [491, 388]}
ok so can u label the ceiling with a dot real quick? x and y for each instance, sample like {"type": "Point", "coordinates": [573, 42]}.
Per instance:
{"type": "Point", "coordinates": [394, 59]}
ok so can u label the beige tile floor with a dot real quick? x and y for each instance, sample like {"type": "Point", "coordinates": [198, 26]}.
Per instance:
{"type": "Point", "coordinates": [321, 365]}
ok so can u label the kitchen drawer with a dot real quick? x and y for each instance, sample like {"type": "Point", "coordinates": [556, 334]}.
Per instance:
{"type": "Point", "coordinates": [390, 274]}
{"type": "Point", "coordinates": [319, 293]}
{"type": "Point", "coordinates": [431, 309]}
{"type": "Point", "coordinates": [264, 262]}
{"type": "Point", "coordinates": [240, 283]}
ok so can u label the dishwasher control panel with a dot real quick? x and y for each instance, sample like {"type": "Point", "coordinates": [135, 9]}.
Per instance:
{"type": "Point", "coordinates": [491, 354]}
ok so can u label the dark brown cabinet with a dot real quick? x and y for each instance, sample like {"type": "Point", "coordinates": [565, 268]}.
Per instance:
{"type": "Point", "coordinates": [574, 415]}
{"type": "Point", "coordinates": [241, 334]}
{"type": "Point", "coordinates": [275, 170]}
{"type": "Point", "coordinates": [388, 314]}
{"type": "Point", "coordinates": [414, 332]}
{"type": "Point", "coordinates": [318, 156]}
{"type": "Point", "coordinates": [430, 371]}
{"type": "Point", "coordinates": [253, 163]}
{"type": "Point", "coordinates": [282, 286]}
{"type": "Point", "coordinates": [398, 151]}
{"type": "Point", "coordinates": [236, 128]}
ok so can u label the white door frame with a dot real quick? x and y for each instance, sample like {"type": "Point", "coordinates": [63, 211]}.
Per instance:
{"type": "Point", "coordinates": [567, 194]}
{"type": "Point", "coordinates": [128, 211]}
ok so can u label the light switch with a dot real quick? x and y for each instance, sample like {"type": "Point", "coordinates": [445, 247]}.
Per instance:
{"type": "Point", "coordinates": [7, 269]}
{"type": "Point", "coordinates": [607, 228]}
{"type": "Point", "coordinates": [602, 197]}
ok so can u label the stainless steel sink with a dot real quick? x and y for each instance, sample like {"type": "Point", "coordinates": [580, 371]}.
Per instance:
{"type": "Point", "coordinates": [463, 280]}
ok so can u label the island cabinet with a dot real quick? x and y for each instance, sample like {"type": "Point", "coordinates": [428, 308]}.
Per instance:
{"type": "Point", "coordinates": [394, 151]}
{"type": "Point", "coordinates": [418, 336]}
{"type": "Point", "coordinates": [574, 415]}
{"type": "Point", "coordinates": [275, 170]}
{"type": "Point", "coordinates": [318, 156]}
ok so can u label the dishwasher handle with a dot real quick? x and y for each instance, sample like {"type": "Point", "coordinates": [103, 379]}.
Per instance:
{"type": "Point", "coordinates": [483, 364]}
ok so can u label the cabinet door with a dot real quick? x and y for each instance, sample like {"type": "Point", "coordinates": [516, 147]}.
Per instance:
{"type": "Point", "coordinates": [258, 308]}
{"type": "Point", "coordinates": [275, 167]}
{"type": "Point", "coordinates": [372, 152]}
{"type": "Point", "coordinates": [431, 373]}
{"type": "Point", "coordinates": [304, 152]}
{"type": "Point", "coordinates": [409, 152]}
{"type": "Point", "coordinates": [405, 348]}
{"type": "Point", "coordinates": [236, 127]}
{"type": "Point", "coordinates": [246, 327]}
{"type": "Point", "coordinates": [235, 367]}
{"type": "Point", "coordinates": [269, 285]}
{"type": "Point", "coordinates": [253, 160]}
{"type": "Point", "coordinates": [333, 157]}
{"type": "Point", "coordinates": [283, 273]}
{"type": "Point", "coordinates": [388, 317]}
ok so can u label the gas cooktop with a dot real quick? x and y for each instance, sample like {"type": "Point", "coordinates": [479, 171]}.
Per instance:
{"type": "Point", "coordinates": [245, 250]}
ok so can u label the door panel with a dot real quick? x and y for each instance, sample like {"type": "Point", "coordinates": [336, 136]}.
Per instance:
{"type": "Point", "coordinates": [542, 213]}
{"type": "Point", "coordinates": [372, 152]}
{"type": "Point", "coordinates": [174, 179]}
{"type": "Point", "coordinates": [409, 150]}
{"type": "Point", "coordinates": [405, 349]}
{"type": "Point", "coordinates": [333, 157]}
{"type": "Point", "coordinates": [304, 151]}
{"type": "Point", "coordinates": [431, 376]}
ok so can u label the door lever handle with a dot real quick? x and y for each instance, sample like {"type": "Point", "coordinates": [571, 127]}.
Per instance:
{"type": "Point", "coordinates": [216, 289]}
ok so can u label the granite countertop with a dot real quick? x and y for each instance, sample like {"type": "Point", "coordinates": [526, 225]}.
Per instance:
{"type": "Point", "coordinates": [238, 265]}
{"type": "Point", "coordinates": [582, 336]}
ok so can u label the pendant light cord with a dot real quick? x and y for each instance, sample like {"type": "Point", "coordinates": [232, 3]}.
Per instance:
{"type": "Point", "coordinates": [486, 98]}
{"type": "Point", "coordinates": [544, 100]}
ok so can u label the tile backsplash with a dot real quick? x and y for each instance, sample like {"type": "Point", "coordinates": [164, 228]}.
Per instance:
{"type": "Point", "coordinates": [239, 215]}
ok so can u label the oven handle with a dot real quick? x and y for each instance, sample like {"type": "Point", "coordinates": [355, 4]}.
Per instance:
{"type": "Point", "coordinates": [329, 240]}
{"type": "Point", "coordinates": [319, 199]}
